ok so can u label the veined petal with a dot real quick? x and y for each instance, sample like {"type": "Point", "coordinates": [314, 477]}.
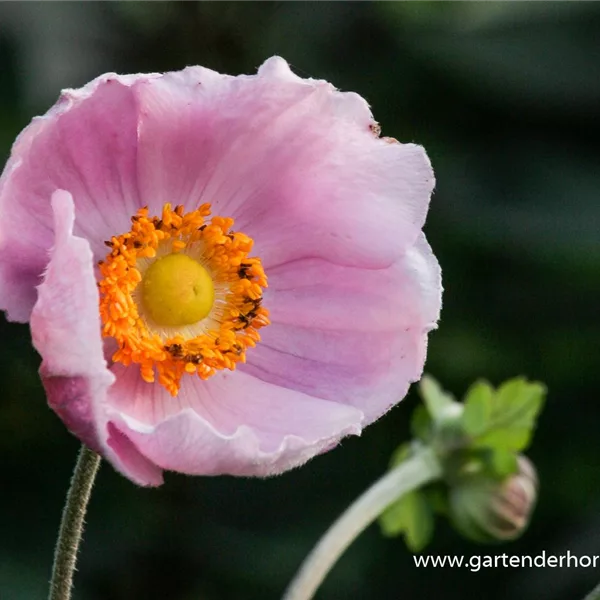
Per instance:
{"type": "Point", "coordinates": [369, 371]}
{"type": "Point", "coordinates": [354, 336]}
{"type": "Point", "coordinates": [316, 293]}
{"type": "Point", "coordinates": [231, 423]}
{"type": "Point", "coordinates": [293, 161]}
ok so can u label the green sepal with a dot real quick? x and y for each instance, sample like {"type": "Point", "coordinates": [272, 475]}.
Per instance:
{"type": "Point", "coordinates": [412, 517]}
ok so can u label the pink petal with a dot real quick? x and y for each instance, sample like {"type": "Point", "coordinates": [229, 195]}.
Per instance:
{"type": "Point", "coordinates": [87, 145]}
{"type": "Point", "coordinates": [336, 215]}
{"type": "Point", "coordinates": [316, 293]}
{"type": "Point", "coordinates": [231, 423]}
{"type": "Point", "coordinates": [354, 336]}
{"type": "Point", "coordinates": [65, 327]}
{"type": "Point", "coordinates": [371, 371]}
{"type": "Point", "coordinates": [293, 161]}
{"type": "Point", "coordinates": [127, 459]}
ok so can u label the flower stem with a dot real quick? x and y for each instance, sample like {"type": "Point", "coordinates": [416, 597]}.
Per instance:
{"type": "Point", "coordinates": [71, 526]}
{"type": "Point", "coordinates": [594, 594]}
{"type": "Point", "coordinates": [421, 468]}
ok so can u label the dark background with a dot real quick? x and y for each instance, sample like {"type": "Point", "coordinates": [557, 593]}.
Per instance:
{"type": "Point", "coordinates": [506, 99]}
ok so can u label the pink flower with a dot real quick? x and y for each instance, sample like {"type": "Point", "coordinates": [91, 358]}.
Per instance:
{"type": "Point", "coordinates": [141, 315]}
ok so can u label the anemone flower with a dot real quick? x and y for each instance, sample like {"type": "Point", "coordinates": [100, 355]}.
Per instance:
{"type": "Point", "coordinates": [222, 275]}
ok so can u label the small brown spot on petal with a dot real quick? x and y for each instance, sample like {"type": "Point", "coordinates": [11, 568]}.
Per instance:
{"type": "Point", "coordinates": [375, 129]}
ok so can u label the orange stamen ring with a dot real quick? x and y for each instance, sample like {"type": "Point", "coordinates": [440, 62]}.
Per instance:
{"type": "Point", "coordinates": [218, 341]}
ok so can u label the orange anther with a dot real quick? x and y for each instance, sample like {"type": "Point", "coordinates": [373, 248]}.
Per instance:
{"type": "Point", "coordinates": [217, 342]}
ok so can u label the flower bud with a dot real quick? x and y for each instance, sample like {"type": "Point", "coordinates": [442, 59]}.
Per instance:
{"type": "Point", "coordinates": [486, 510]}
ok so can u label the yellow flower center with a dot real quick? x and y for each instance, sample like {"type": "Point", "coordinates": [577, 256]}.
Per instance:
{"type": "Point", "coordinates": [177, 290]}
{"type": "Point", "coordinates": [179, 294]}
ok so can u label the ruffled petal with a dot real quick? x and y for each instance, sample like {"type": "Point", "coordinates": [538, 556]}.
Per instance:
{"type": "Point", "coordinates": [230, 424]}
{"type": "Point", "coordinates": [292, 160]}
{"type": "Point", "coordinates": [65, 328]}
{"type": "Point", "coordinates": [350, 335]}
{"type": "Point", "coordinates": [335, 212]}
{"type": "Point", "coordinates": [87, 145]}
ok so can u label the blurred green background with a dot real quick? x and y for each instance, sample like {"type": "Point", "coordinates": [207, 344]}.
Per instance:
{"type": "Point", "coordinates": [506, 98]}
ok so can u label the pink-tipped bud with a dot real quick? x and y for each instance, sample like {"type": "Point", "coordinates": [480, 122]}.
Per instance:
{"type": "Point", "coordinates": [486, 510]}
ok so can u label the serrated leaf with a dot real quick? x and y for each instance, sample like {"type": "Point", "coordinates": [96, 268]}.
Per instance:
{"type": "Point", "coordinates": [515, 407]}
{"type": "Point", "coordinates": [518, 402]}
{"type": "Point", "coordinates": [410, 516]}
{"type": "Point", "coordinates": [393, 519]}
{"type": "Point", "coordinates": [421, 424]}
{"type": "Point", "coordinates": [437, 401]}
{"type": "Point", "coordinates": [478, 408]}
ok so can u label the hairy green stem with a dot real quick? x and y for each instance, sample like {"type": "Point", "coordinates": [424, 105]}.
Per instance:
{"type": "Point", "coordinates": [420, 469]}
{"type": "Point", "coordinates": [71, 526]}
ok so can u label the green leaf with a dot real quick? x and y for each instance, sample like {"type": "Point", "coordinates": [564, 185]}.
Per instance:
{"type": "Point", "coordinates": [411, 516]}
{"type": "Point", "coordinates": [478, 408]}
{"type": "Point", "coordinates": [515, 408]}
{"type": "Point", "coordinates": [438, 402]}
{"type": "Point", "coordinates": [505, 438]}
